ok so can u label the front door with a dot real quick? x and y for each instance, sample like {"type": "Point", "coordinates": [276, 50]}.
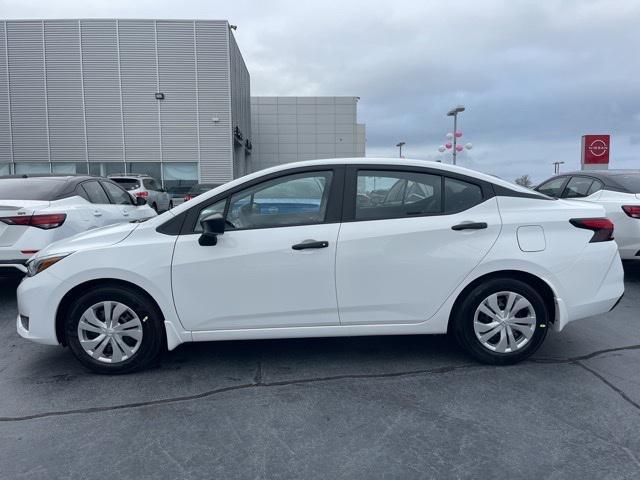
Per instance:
{"type": "Point", "coordinates": [398, 256]}
{"type": "Point", "coordinates": [273, 267]}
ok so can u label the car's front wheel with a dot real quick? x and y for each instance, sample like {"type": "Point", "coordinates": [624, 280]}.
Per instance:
{"type": "Point", "coordinates": [113, 329]}
{"type": "Point", "coordinates": [501, 321]}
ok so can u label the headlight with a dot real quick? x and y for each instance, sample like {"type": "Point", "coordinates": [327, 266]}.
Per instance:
{"type": "Point", "coordinates": [40, 264]}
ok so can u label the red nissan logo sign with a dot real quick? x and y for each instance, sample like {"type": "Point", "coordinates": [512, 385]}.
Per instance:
{"type": "Point", "coordinates": [595, 149]}
{"type": "Point", "coordinates": [598, 148]}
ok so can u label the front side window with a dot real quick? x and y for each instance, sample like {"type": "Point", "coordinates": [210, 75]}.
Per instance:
{"type": "Point", "coordinates": [577, 187]}
{"type": "Point", "coordinates": [95, 192]}
{"type": "Point", "coordinates": [117, 194]}
{"type": "Point", "coordinates": [299, 199]}
{"type": "Point", "coordinates": [385, 194]}
{"type": "Point", "coordinates": [460, 195]}
{"type": "Point", "coordinates": [553, 187]}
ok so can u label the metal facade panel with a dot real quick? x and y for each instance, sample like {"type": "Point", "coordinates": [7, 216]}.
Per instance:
{"type": "Point", "coordinates": [304, 128]}
{"type": "Point", "coordinates": [27, 90]}
{"type": "Point", "coordinates": [5, 120]}
{"type": "Point", "coordinates": [64, 91]}
{"type": "Point", "coordinates": [138, 71]}
{"type": "Point", "coordinates": [212, 49]}
{"type": "Point", "coordinates": [102, 90]}
{"type": "Point", "coordinates": [240, 106]}
{"type": "Point", "coordinates": [177, 68]}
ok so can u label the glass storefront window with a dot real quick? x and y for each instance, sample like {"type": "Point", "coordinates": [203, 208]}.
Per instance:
{"type": "Point", "coordinates": [5, 169]}
{"type": "Point", "coordinates": [32, 168]}
{"type": "Point", "coordinates": [179, 177]}
{"type": "Point", "coordinates": [148, 168]}
{"type": "Point", "coordinates": [106, 168]}
{"type": "Point", "coordinates": [68, 168]}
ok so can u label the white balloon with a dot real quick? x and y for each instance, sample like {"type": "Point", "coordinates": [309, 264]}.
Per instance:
{"type": "Point", "coordinates": [468, 146]}
{"type": "Point", "coordinates": [449, 136]}
{"type": "Point", "coordinates": [441, 148]}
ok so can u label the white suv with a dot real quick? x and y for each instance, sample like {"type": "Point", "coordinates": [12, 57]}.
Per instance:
{"type": "Point", "coordinates": [147, 187]}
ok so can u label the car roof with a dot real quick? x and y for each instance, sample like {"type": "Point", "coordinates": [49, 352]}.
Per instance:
{"type": "Point", "coordinates": [406, 162]}
{"type": "Point", "coordinates": [129, 175]}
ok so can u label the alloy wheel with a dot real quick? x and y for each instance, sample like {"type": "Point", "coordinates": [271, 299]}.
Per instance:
{"type": "Point", "coordinates": [110, 332]}
{"type": "Point", "coordinates": [504, 322]}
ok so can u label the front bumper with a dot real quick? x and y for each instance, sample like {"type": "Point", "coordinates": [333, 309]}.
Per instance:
{"type": "Point", "coordinates": [38, 298]}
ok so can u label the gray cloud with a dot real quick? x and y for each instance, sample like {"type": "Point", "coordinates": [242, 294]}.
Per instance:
{"type": "Point", "coordinates": [533, 75]}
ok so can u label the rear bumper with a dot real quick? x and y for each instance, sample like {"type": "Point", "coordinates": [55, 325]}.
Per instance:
{"type": "Point", "coordinates": [606, 297]}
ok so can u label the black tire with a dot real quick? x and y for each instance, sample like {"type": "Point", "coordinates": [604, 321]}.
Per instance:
{"type": "Point", "coordinates": [153, 335]}
{"type": "Point", "coordinates": [155, 207]}
{"type": "Point", "coordinates": [463, 321]}
{"type": "Point", "coordinates": [170, 204]}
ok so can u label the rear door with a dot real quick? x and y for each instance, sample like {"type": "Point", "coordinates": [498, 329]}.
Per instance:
{"type": "Point", "coordinates": [408, 239]}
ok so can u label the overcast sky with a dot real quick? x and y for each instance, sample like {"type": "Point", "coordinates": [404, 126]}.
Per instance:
{"type": "Point", "coordinates": [533, 75]}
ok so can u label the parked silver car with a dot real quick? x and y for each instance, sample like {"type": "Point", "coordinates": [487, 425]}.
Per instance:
{"type": "Point", "coordinates": [147, 187]}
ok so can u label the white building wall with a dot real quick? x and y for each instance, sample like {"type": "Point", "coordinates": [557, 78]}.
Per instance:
{"type": "Point", "coordinates": [289, 129]}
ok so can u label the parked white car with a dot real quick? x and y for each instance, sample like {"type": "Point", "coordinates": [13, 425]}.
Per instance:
{"type": "Point", "coordinates": [618, 191]}
{"type": "Point", "coordinates": [329, 248]}
{"type": "Point", "coordinates": [37, 211]}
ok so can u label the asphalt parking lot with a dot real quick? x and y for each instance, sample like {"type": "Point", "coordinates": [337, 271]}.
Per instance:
{"type": "Point", "coordinates": [381, 407]}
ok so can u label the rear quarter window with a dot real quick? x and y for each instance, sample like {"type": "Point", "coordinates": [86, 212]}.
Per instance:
{"type": "Point", "coordinates": [460, 195]}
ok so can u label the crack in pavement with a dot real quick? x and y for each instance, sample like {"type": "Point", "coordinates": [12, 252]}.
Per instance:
{"type": "Point", "coordinates": [609, 384]}
{"type": "Point", "coordinates": [258, 382]}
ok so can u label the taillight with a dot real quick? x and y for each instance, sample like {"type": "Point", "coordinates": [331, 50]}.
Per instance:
{"type": "Point", "coordinates": [602, 228]}
{"type": "Point", "coordinates": [45, 222]}
{"type": "Point", "coordinates": [143, 194]}
{"type": "Point", "coordinates": [632, 210]}
{"type": "Point", "coordinates": [187, 197]}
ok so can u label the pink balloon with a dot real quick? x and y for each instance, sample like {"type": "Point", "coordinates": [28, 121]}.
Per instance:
{"type": "Point", "coordinates": [458, 134]}
{"type": "Point", "coordinates": [448, 145]}
{"type": "Point", "coordinates": [459, 148]}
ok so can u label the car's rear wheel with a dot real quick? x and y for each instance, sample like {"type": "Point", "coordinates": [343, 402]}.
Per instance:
{"type": "Point", "coordinates": [501, 321]}
{"type": "Point", "coordinates": [170, 204]}
{"type": "Point", "coordinates": [155, 207]}
{"type": "Point", "coordinates": [114, 330]}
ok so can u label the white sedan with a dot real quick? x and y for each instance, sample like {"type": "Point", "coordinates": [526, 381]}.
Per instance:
{"type": "Point", "coordinates": [37, 211]}
{"type": "Point", "coordinates": [329, 248]}
{"type": "Point", "coordinates": [618, 191]}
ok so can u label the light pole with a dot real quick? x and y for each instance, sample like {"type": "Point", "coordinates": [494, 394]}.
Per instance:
{"type": "Point", "coordinates": [399, 145]}
{"type": "Point", "coordinates": [454, 113]}
{"type": "Point", "coordinates": [556, 167]}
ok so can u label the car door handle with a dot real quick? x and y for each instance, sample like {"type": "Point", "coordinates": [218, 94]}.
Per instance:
{"type": "Point", "coordinates": [470, 226]}
{"type": "Point", "coordinates": [97, 213]}
{"type": "Point", "coordinates": [310, 244]}
{"type": "Point", "coordinates": [125, 213]}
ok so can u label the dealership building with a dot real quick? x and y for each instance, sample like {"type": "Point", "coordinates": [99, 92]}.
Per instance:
{"type": "Point", "coordinates": [170, 98]}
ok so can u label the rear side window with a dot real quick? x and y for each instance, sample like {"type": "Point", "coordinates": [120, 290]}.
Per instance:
{"type": "Point", "coordinates": [150, 184]}
{"type": "Point", "coordinates": [386, 194]}
{"type": "Point", "coordinates": [460, 195]}
{"type": "Point", "coordinates": [95, 193]}
{"type": "Point", "coordinates": [577, 187]}
{"type": "Point", "coordinates": [117, 194]}
{"type": "Point", "coordinates": [127, 183]}
{"type": "Point", "coordinates": [553, 187]}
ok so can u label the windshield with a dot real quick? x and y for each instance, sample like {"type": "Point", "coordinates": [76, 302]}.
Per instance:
{"type": "Point", "coordinates": [127, 183]}
{"type": "Point", "coordinates": [30, 188]}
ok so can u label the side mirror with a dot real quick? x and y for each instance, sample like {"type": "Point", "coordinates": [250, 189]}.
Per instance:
{"type": "Point", "coordinates": [212, 226]}
{"type": "Point", "coordinates": [140, 201]}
